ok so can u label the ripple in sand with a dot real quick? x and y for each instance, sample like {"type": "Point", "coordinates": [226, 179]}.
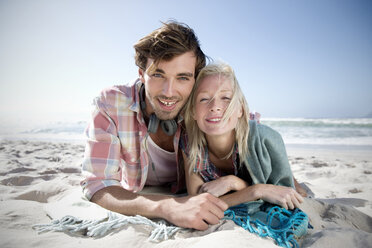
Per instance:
{"type": "Point", "coordinates": [70, 170]}
{"type": "Point", "coordinates": [318, 164]}
{"type": "Point", "coordinates": [17, 170]}
{"type": "Point", "coordinates": [50, 159]}
{"type": "Point", "coordinates": [48, 172]}
{"type": "Point", "coordinates": [354, 202]}
{"type": "Point", "coordinates": [36, 195]}
{"type": "Point", "coordinates": [355, 191]}
{"type": "Point", "coordinates": [23, 180]}
{"type": "Point", "coordinates": [31, 151]}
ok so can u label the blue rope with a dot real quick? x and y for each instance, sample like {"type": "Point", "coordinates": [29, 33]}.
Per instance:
{"type": "Point", "coordinates": [282, 225]}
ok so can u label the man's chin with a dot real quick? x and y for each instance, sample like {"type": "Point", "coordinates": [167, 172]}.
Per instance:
{"type": "Point", "coordinates": [166, 115]}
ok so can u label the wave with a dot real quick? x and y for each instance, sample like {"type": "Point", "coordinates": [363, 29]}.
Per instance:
{"type": "Point", "coordinates": [302, 122]}
{"type": "Point", "coordinates": [54, 131]}
{"type": "Point", "coordinates": [293, 131]}
{"type": "Point", "coordinates": [59, 127]}
{"type": "Point", "coordinates": [323, 131]}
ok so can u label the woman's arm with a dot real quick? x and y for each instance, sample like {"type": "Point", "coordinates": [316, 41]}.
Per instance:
{"type": "Point", "coordinates": [286, 197]}
{"type": "Point", "coordinates": [195, 184]}
{"type": "Point", "coordinates": [193, 180]}
{"type": "Point", "coordinates": [223, 185]}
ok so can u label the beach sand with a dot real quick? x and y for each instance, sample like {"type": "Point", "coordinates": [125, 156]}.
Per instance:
{"type": "Point", "coordinates": [35, 175]}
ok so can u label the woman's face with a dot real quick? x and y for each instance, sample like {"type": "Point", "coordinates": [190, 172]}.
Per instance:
{"type": "Point", "coordinates": [212, 98]}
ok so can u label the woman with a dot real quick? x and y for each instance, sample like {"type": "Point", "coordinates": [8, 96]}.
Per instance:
{"type": "Point", "coordinates": [238, 160]}
{"type": "Point", "coordinates": [227, 155]}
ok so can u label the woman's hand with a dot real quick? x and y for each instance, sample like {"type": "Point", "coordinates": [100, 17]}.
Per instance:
{"type": "Point", "coordinates": [299, 189]}
{"type": "Point", "coordinates": [223, 185]}
{"type": "Point", "coordinates": [285, 197]}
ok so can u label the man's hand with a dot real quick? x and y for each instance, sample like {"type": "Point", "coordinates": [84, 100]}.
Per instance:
{"type": "Point", "coordinates": [195, 211]}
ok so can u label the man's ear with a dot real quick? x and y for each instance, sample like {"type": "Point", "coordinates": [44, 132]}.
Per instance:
{"type": "Point", "coordinates": [141, 75]}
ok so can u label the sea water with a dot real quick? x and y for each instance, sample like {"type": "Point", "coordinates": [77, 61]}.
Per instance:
{"type": "Point", "coordinates": [295, 131]}
{"type": "Point", "coordinates": [329, 132]}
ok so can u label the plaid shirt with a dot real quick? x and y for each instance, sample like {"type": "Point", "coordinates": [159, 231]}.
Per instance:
{"type": "Point", "coordinates": [116, 150]}
{"type": "Point", "coordinates": [204, 166]}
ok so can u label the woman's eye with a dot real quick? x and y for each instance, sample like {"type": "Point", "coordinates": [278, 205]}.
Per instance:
{"type": "Point", "coordinates": [226, 98]}
{"type": "Point", "coordinates": [203, 99]}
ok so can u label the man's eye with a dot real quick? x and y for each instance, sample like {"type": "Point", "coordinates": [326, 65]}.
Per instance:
{"type": "Point", "coordinates": [184, 78]}
{"type": "Point", "coordinates": [158, 75]}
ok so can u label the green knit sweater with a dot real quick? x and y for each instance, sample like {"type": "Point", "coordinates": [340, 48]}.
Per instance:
{"type": "Point", "coordinates": [267, 161]}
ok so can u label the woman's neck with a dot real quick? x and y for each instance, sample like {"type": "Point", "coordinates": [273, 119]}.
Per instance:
{"type": "Point", "coordinates": [221, 145]}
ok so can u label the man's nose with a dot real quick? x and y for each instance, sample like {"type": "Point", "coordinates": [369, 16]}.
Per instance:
{"type": "Point", "coordinates": [168, 87]}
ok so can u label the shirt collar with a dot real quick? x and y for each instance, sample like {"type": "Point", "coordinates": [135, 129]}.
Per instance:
{"type": "Point", "coordinates": [203, 164]}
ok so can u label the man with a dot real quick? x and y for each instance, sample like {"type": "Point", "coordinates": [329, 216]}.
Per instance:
{"type": "Point", "coordinates": [133, 136]}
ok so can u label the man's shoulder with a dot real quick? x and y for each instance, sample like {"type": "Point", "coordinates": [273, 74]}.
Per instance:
{"type": "Point", "coordinates": [119, 98]}
{"type": "Point", "coordinates": [120, 94]}
{"type": "Point", "coordinates": [127, 90]}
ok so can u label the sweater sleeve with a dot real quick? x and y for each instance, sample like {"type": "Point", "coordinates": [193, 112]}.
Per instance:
{"type": "Point", "coordinates": [267, 161]}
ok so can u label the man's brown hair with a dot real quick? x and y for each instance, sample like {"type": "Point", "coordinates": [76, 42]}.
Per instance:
{"type": "Point", "coordinates": [167, 42]}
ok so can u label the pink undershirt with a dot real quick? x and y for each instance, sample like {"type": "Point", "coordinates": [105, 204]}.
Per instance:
{"type": "Point", "coordinates": [163, 165]}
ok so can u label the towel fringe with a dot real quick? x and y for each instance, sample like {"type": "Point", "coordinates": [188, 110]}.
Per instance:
{"type": "Point", "coordinates": [99, 228]}
{"type": "Point", "coordinates": [292, 224]}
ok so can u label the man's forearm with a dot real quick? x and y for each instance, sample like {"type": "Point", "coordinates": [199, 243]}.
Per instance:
{"type": "Point", "coordinates": [119, 200]}
{"type": "Point", "coordinates": [187, 211]}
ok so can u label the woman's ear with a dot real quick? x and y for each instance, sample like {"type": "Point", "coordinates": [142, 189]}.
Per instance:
{"type": "Point", "coordinates": [240, 112]}
{"type": "Point", "coordinates": [141, 75]}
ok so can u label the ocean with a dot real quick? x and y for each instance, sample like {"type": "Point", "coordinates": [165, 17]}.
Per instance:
{"type": "Point", "coordinates": [329, 132]}
{"type": "Point", "coordinates": [295, 131]}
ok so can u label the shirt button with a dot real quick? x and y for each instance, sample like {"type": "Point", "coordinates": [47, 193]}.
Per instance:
{"type": "Point", "coordinates": [133, 160]}
{"type": "Point", "coordinates": [140, 133]}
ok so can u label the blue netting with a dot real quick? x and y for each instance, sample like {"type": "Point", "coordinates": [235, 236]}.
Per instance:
{"type": "Point", "coordinates": [282, 225]}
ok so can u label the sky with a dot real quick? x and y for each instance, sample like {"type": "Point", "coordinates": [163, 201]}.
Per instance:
{"type": "Point", "coordinates": [293, 59]}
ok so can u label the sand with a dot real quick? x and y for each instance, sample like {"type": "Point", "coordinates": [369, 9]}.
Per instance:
{"type": "Point", "coordinates": [35, 175]}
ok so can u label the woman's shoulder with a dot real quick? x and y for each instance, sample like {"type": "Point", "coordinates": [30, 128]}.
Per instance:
{"type": "Point", "coordinates": [262, 131]}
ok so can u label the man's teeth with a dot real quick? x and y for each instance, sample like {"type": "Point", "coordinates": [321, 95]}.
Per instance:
{"type": "Point", "coordinates": [215, 119]}
{"type": "Point", "coordinates": [167, 103]}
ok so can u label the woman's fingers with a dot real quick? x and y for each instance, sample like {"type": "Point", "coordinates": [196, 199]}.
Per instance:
{"type": "Point", "coordinates": [290, 203]}
{"type": "Point", "coordinates": [201, 189]}
{"type": "Point", "coordinates": [286, 197]}
{"type": "Point", "coordinates": [217, 187]}
{"type": "Point", "coordinates": [284, 204]}
{"type": "Point", "coordinates": [299, 198]}
{"type": "Point", "coordinates": [296, 203]}
{"type": "Point", "coordinates": [294, 200]}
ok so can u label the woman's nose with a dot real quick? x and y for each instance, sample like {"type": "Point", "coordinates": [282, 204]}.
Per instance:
{"type": "Point", "coordinates": [215, 106]}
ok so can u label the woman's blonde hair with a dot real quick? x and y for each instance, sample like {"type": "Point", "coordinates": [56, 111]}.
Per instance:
{"type": "Point", "coordinates": [196, 138]}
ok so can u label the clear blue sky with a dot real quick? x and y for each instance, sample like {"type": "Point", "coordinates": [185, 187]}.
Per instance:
{"type": "Point", "coordinates": [292, 58]}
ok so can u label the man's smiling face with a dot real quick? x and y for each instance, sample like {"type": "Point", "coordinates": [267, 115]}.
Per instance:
{"type": "Point", "coordinates": [168, 85]}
